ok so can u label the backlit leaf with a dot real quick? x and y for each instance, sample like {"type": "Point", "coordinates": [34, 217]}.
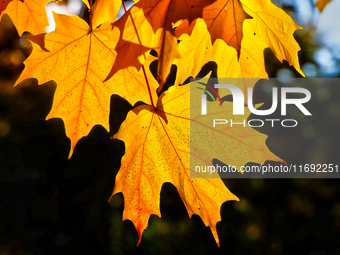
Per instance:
{"type": "Point", "coordinates": [105, 10]}
{"type": "Point", "coordinates": [158, 151]}
{"type": "Point", "coordinates": [149, 25]}
{"type": "Point", "coordinates": [27, 15]}
{"type": "Point", "coordinates": [78, 60]}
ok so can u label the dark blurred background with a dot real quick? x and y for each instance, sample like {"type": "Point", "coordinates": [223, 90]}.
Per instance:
{"type": "Point", "coordinates": [53, 205]}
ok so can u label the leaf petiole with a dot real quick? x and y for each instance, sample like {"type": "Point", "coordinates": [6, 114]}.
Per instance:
{"type": "Point", "coordinates": [91, 14]}
{"type": "Point", "coordinates": [146, 78]}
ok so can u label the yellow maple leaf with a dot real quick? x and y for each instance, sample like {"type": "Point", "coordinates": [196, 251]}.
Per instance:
{"type": "Point", "coordinates": [158, 150]}
{"type": "Point", "coordinates": [270, 27]}
{"type": "Point", "coordinates": [27, 15]}
{"type": "Point", "coordinates": [197, 49]}
{"type": "Point", "coordinates": [105, 10]}
{"type": "Point", "coordinates": [274, 28]}
{"type": "Point", "coordinates": [78, 60]}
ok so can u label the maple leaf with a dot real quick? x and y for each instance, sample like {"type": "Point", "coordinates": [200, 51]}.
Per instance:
{"type": "Point", "coordinates": [197, 49]}
{"type": "Point", "coordinates": [274, 28]}
{"type": "Point", "coordinates": [78, 60]}
{"type": "Point", "coordinates": [321, 4]}
{"type": "Point", "coordinates": [26, 15]}
{"type": "Point", "coordinates": [105, 10]}
{"type": "Point", "coordinates": [270, 27]}
{"type": "Point", "coordinates": [149, 25]}
{"type": "Point", "coordinates": [102, 11]}
{"type": "Point", "coordinates": [158, 150]}
{"type": "Point", "coordinates": [224, 20]}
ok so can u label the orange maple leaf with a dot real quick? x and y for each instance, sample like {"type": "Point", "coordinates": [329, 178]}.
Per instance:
{"type": "Point", "coordinates": [158, 150]}
{"type": "Point", "coordinates": [224, 20]}
{"type": "Point", "coordinates": [150, 25]}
